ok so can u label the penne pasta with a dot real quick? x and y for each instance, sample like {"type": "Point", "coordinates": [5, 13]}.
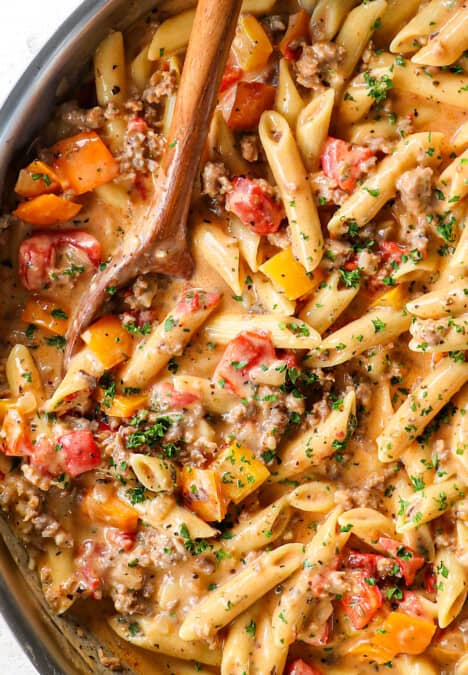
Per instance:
{"type": "Point", "coordinates": [427, 21]}
{"type": "Point", "coordinates": [421, 406]}
{"type": "Point", "coordinates": [366, 202]}
{"type": "Point", "coordinates": [427, 504]}
{"type": "Point", "coordinates": [448, 44]}
{"type": "Point", "coordinates": [288, 101]}
{"type": "Point", "coordinates": [292, 608]}
{"type": "Point", "coordinates": [312, 128]}
{"type": "Point", "coordinates": [444, 334]}
{"type": "Point", "coordinates": [169, 337]}
{"type": "Point", "coordinates": [327, 303]}
{"type": "Point", "coordinates": [452, 586]}
{"type": "Point", "coordinates": [312, 446]}
{"type": "Point", "coordinates": [356, 32]}
{"type": "Point", "coordinates": [328, 17]}
{"type": "Point", "coordinates": [287, 167]}
{"type": "Point", "coordinates": [448, 88]}
{"type": "Point", "coordinates": [220, 251]}
{"type": "Point", "coordinates": [447, 300]}
{"type": "Point", "coordinates": [158, 633]}
{"type": "Point", "coordinates": [240, 592]}
{"type": "Point", "coordinates": [172, 35]}
{"type": "Point", "coordinates": [374, 328]}
{"type": "Point", "coordinates": [247, 240]}
{"type": "Point", "coordinates": [285, 333]}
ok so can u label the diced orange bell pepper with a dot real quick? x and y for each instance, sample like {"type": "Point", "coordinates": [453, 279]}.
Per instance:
{"type": "Point", "coordinates": [250, 100]}
{"type": "Point", "coordinates": [37, 179]}
{"type": "Point", "coordinates": [239, 471]}
{"type": "Point", "coordinates": [111, 511]}
{"type": "Point", "coordinates": [399, 633]}
{"type": "Point", "coordinates": [109, 341]}
{"type": "Point", "coordinates": [47, 210]}
{"type": "Point", "coordinates": [203, 494]}
{"type": "Point", "coordinates": [14, 434]}
{"type": "Point", "coordinates": [298, 28]}
{"type": "Point", "coordinates": [83, 162]}
{"type": "Point", "coordinates": [121, 405]}
{"type": "Point", "coordinates": [45, 314]}
{"type": "Point", "coordinates": [288, 275]}
{"type": "Point", "coordinates": [251, 45]}
{"type": "Point", "coordinates": [402, 633]}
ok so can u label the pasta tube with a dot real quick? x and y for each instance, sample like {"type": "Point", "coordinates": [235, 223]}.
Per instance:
{"type": "Point", "coordinates": [421, 406]}
{"type": "Point", "coordinates": [285, 332]}
{"type": "Point", "coordinates": [452, 586]}
{"type": "Point", "coordinates": [310, 447]}
{"type": "Point", "coordinates": [312, 128]}
{"type": "Point", "coordinates": [376, 327]}
{"type": "Point", "coordinates": [327, 303]}
{"type": "Point", "coordinates": [292, 608]}
{"type": "Point", "coordinates": [220, 251]}
{"type": "Point", "coordinates": [447, 300]}
{"type": "Point", "coordinates": [159, 634]}
{"type": "Point", "coordinates": [237, 594]}
{"type": "Point", "coordinates": [169, 337]}
{"type": "Point", "coordinates": [448, 44]}
{"type": "Point", "coordinates": [367, 201]}
{"type": "Point", "coordinates": [426, 21]}
{"type": "Point", "coordinates": [290, 175]}
{"type": "Point", "coordinates": [427, 504]}
{"type": "Point", "coordinates": [447, 334]}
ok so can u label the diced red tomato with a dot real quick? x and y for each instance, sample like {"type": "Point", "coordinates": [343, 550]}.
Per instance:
{"type": "Point", "coordinates": [87, 565]}
{"type": "Point", "coordinates": [298, 31]}
{"type": "Point", "coordinates": [407, 558]}
{"type": "Point", "coordinates": [300, 667]}
{"type": "Point", "coordinates": [175, 399]}
{"type": "Point", "coordinates": [255, 208]}
{"type": "Point", "coordinates": [344, 162]}
{"type": "Point", "coordinates": [390, 251]}
{"type": "Point", "coordinates": [37, 254]}
{"type": "Point", "coordinates": [123, 541]}
{"type": "Point", "coordinates": [247, 350]}
{"type": "Point", "coordinates": [245, 102]}
{"type": "Point", "coordinates": [193, 300]}
{"type": "Point", "coordinates": [80, 452]}
{"type": "Point", "coordinates": [363, 561]}
{"type": "Point", "coordinates": [137, 125]}
{"type": "Point", "coordinates": [232, 74]}
{"type": "Point", "coordinates": [430, 580]}
{"type": "Point", "coordinates": [363, 602]}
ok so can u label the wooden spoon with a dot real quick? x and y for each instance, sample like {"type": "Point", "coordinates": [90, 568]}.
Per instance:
{"type": "Point", "coordinates": [159, 242]}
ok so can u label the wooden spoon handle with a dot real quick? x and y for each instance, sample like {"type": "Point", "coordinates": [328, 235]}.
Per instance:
{"type": "Point", "coordinates": [210, 41]}
{"type": "Point", "coordinates": [163, 227]}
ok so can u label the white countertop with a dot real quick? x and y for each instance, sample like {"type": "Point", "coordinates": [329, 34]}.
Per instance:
{"type": "Point", "coordinates": [25, 25]}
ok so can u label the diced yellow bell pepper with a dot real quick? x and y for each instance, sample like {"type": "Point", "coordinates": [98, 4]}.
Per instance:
{"type": "Point", "coordinates": [394, 298]}
{"type": "Point", "coordinates": [251, 45]}
{"type": "Point", "coordinates": [109, 341]}
{"type": "Point", "coordinates": [203, 494]}
{"type": "Point", "coordinates": [289, 276]}
{"type": "Point", "coordinates": [45, 314]}
{"type": "Point", "coordinates": [121, 405]}
{"type": "Point", "coordinates": [111, 511]}
{"type": "Point", "coordinates": [37, 179]}
{"type": "Point", "coordinates": [239, 471]}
